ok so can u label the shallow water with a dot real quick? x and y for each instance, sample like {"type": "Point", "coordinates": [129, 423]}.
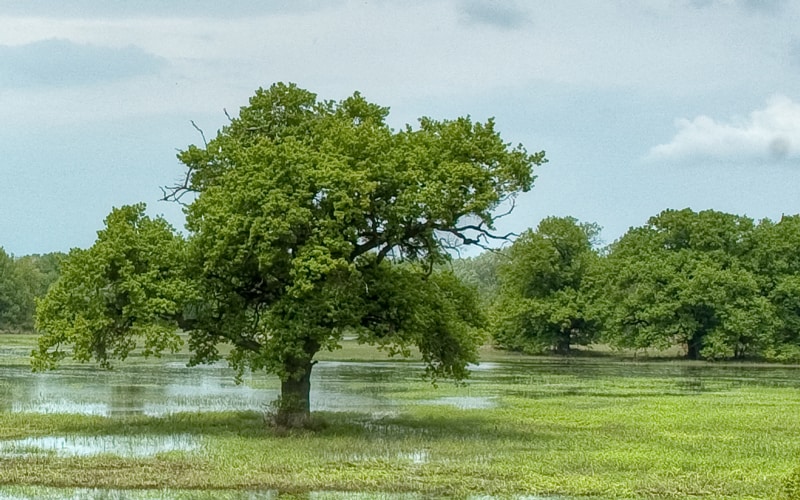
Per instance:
{"type": "Point", "coordinates": [82, 446]}
{"type": "Point", "coordinates": [170, 387]}
{"type": "Point", "coordinates": [377, 390]}
{"type": "Point", "coordinates": [464, 402]}
{"type": "Point", "coordinates": [163, 389]}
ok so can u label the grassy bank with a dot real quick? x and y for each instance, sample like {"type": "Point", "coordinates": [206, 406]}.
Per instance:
{"type": "Point", "coordinates": [595, 428]}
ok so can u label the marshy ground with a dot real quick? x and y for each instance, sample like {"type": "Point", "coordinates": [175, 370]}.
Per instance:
{"type": "Point", "coordinates": [589, 426]}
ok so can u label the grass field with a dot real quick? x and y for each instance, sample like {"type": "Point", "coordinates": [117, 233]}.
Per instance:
{"type": "Point", "coordinates": [598, 427]}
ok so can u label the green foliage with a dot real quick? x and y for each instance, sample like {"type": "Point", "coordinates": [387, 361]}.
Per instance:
{"type": "Point", "coordinates": [22, 280]}
{"type": "Point", "coordinates": [12, 298]}
{"type": "Point", "coordinates": [306, 215]}
{"type": "Point", "coordinates": [302, 201]}
{"type": "Point", "coordinates": [680, 279]}
{"type": "Point", "coordinates": [547, 298]}
{"type": "Point", "coordinates": [481, 273]}
{"type": "Point", "coordinates": [773, 258]}
{"type": "Point", "coordinates": [772, 250]}
{"type": "Point", "coordinates": [128, 287]}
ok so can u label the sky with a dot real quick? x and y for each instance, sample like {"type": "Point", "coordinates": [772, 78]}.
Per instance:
{"type": "Point", "coordinates": [640, 105]}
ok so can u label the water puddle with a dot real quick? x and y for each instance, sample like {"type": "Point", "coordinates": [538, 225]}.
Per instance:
{"type": "Point", "coordinates": [170, 387]}
{"type": "Point", "coordinates": [483, 366]}
{"type": "Point", "coordinates": [416, 457]}
{"type": "Point", "coordinates": [61, 406]}
{"type": "Point", "coordinates": [83, 446]}
{"type": "Point", "coordinates": [464, 402]}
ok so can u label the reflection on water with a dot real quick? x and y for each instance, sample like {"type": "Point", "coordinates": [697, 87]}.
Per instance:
{"type": "Point", "coordinates": [82, 446]}
{"type": "Point", "coordinates": [171, 387]}
{"type": "Point", "coordinates": [465, 402]}
{"type": "Point", "coordinates": [160, 390]}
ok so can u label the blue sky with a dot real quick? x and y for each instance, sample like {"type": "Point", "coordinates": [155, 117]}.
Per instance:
{"type": "Point", "coordinates": [641, 105]}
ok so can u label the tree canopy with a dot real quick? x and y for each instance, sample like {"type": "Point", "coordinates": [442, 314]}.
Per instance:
{"type": "Point", "coordinates": [11, 299]}
{"type": "Point", "coordinates": [306, 219]}
{"type": "Point", "coordinates": [545, 299]}
{"type": "Point", "coordinates": [682, 279]}
{"type": "Point", "coordinates": [22, 281]}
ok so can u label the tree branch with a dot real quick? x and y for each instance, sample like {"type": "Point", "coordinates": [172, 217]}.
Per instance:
{"type": "Point", "coordinates": [177, 191]}
{"type": "Point", "coordinates": [202, 134]}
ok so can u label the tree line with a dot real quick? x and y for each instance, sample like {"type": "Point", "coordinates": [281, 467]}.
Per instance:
{"type": "Point", "coordinates": [721, 286]}
{"type": "Point", "coordinates": [22, 280]}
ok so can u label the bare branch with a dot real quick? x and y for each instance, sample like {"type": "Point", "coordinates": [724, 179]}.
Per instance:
{"type": "Point", "coordinates": [483, 233]}
{"type": "Point", "coordinates": [511, 209]}
{"type": "Point", "coordinates": [177, 191]}
{"type": "Point", "coordinates": [202, 134]}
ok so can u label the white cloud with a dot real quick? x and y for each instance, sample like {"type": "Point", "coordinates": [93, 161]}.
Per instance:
{"type": "Point", "coordinates": [769, 133]}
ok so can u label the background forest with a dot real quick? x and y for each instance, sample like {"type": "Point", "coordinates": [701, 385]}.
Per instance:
{"type": "Point", "coordinates": [713, 284]}
{"type": "Point", "coordinates": [22, 281]}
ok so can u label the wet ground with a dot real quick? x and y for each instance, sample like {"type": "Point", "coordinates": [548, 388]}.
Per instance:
{"type": "Point", "coordinates": [171, 387]}
{"type": "Point", "coordinates": [373, 388]}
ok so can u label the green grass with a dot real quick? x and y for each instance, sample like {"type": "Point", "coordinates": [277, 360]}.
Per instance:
{"type": "Point", "coordinates": [597, 428]}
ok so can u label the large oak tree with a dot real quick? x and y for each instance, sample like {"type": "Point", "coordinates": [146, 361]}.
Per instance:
{"type": "Point", "coordinates": [306, 219]}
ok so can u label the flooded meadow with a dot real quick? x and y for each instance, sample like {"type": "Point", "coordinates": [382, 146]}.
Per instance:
{"type": "Point", "coordinates": [555, 427]}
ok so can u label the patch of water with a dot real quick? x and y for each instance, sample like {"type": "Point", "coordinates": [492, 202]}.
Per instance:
{"type": "Point", "coordinates": [464, 402]}
{"type": "Point", "coordinates": [483, 366]}
{"type": "Point", "coordinates": [162, 389]}
{"type": "Point", "coordinates": [61, 406]}
{"type": "Point", "coordinates": [416, 457]}
{"type": "Point", "coordinates": [82, 446]}
{"type": "Point", "coordinates": [166, 389]}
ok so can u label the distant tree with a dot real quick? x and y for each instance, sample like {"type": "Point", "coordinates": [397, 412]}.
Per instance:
{"type": "Point", "coordinates": [774, 259]}
{"type": "Point", "coordinates": [680, 280]}
{"type": "Point", "coordinates": [307, 219]}
{"type": "Point", "coordinates": [481, 273]}
{"type": "Point", "coordinates": [41, 270]}
{"type": "Point", "coordinates": [12, 294]}
{"type": "Point", "coordinates": [547, 289]}
{"type": "Point", "coordinates": [35, 274]}
{"type": "Point", "coordinates": [772, 250]}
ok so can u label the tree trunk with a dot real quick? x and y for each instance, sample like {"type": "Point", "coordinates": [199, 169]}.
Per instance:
{"type": "Point", "coordinates": [562, 346]}
{"type": "Point", "coordinates": [298, 389]}
{"type": "Point", "coordinates": [693, 346]}
{"type": "Point", "coordinates": [294, 406]}
{"type": "Point", "coordinates": [563, 343]}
